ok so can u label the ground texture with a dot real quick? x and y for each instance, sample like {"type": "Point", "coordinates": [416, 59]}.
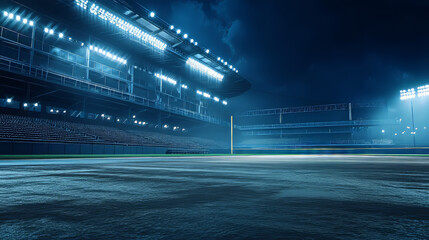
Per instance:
{"type": "Point", "coordinates": [219, 197]}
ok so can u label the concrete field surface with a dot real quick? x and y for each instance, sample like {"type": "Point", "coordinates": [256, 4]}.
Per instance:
{"type": "Point", "coordinates": [216, 197]}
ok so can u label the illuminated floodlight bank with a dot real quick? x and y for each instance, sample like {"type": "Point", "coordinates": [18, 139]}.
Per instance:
{"type": "Point", "coordinates": [122, 24]}
{"type": "Point", "coordinates": [423, 91]}
{"type": "Point", "coordinates": [204, 69]}
{"type": "Point", "coordinates": [216, 99]}
{"type": "Point", "coordinates": [408, 94]}
{"type": "Point", "coordinates": [107, 54]}
{"type": "Point", "coordinates": [224, 102]}
{"type": "Point", "coordinates": [206, 95]}
{"type": "Point", "coordinates": [18, 18]}
{"type": "Point", "coordinates": [165, 78]}
{"type": "Point", "coordinates": [184, 86]}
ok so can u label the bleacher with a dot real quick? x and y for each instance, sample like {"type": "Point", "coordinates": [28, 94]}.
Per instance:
{"type": "Point", "coordinates": [32, 129]}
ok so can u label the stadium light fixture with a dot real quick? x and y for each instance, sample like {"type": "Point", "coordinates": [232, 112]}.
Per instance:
{"type": "Point", "coordinates": [185, 36]}
{"type": "Point", "coordinates": [36, 104]}
{"type": "Point", "coordinates": [204, 69]}
{"type": "Point", "coordinates": [134, 116]}
{"type": "Point", "coordinates": [52, 110]}
{"type": "Point", "coordinates": [165, 78]}
{"type": "Point", "coordinates": [206, 95]}
{"type": "Point", "coordinates": [135, 121]}
{"type": "Point", "coordinates": [165, 126]}
{"type": "Point", "coordinates": [224, 102]}
{"type": "Point", "coordinates": [122, 24]}
{"type": "Point", "coordinates": [408, 94]}
{"type": "Point", "coordinates": [108, 118]}
{"type": "Point", "coordinates": [423, 91]}
{"type": "Point", "coordinates": [25, 105]}
{"type": "Point", "coordinates": [382, 131]}
{"type": "Point", "coordinates": [171, 27]}
{"type": "Point", "coordinates": [9, 100]}
{"type": "Point", "coordinates": [178, 31]}
{"type": "Point", "coordinates": [216, 99]}
{"type": "Point", "coordinates": [107, 54]}
{"type": "Point", "coordinates": [218, 58]}
{"type": "Point", "coordinates": [64, 111]}
{"type": "Point", "coordinates": [17, 18]}
{"type": "Point", "coordinates": [207, 51]}
{"type": "Point", "coordinates": [184, 86]}
{"type": "Point", "coordinates": [51, 31]}
{"type": "Point", "coordinates": [192, 40]}
{"type": "Point", "coordinates": [61, 35]}
{"type": "Point", "coordinates": [152, 14]}
{"type": "Point", "coordinates": [199, 92]}
{"type": "Point", "coordinates": [46, 30]}
{"type": "Point", "coordinates": [196, 43]}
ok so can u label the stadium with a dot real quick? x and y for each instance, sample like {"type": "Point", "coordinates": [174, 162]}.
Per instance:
{"type": "Point", "coordinates": [112, 103]}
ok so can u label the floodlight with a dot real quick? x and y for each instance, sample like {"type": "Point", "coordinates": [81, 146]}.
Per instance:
{"type": "Point", "coordinates": [230, 66]}
{"type": "Point", "coordinates": [216, 99]}
{"type": "Point", "coordinates": [165, 78]}
{"type": "Point", "coordinates": [408, 94]}
{"type": "Point", "coordinates": [70, 38]}
{"type": "Point", "coordinates": [51, 31]}
{"type": "Point", "coordinates": [57, 111]}
{"type": "Point", "coordinates": [192, 40]}
{"type": "Point", "coordinates": [61, 35]}
{"type": "Point", "coordinates": [9, 100]}
{"type": "Point", "coordinates": [36, 104]}
{"type": "Point", "coordinates": [64, 111]}
{"type": "Point", "coordinates": [134, 116]}
{"type": "Point", "coordinates": [206, 95]}
{"type": "Point", "coordinates": [31, 23]}
{"type": "Point", "coordinates": [10, 15]}
{"type": "Point", "coordinates": [382, 131]}
{"type": "Point", "coordinates": [195, 43]}
{"type": "Point", "coordinates": [178, 31]}
{"type": "Point", "coordinates": [18, 18]}
{"type": "Point", "coordinates": [46, 30]}
{"type": "Point", "coordinates": [423, 91]}
{"type": "Point", "coordinates": [52, 110]}
{"type": "Point", "coordinates": [204, 69]}
{"type": "Point", "coordinates": [5, 13]}
{"type": "Point", "coordinates": [135, 121]}
{"type": "Point", "coordinates": [224, 102]}
{"type": "Point", "coordinates": [184, 86]}
{"type": "Point", "coordinates": [171, 27]}
{"type": "Point", "coordinates": [25, 104]}
{"type": "Point", "coordinates": [199, 92]}
{"type": "Point", "coordinates": [25, 21]}
{"type": "Point", "coordinates": [185, 36]}
{"type": "Point", "coordinates": [218, 58]}
{"type": "Point", "coordinates": [207, 50]}
{"type": "Point", "coordinates": [122, 24]}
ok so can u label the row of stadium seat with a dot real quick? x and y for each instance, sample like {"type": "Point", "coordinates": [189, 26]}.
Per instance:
{"type": "Point", "coordinates": [23, 128]}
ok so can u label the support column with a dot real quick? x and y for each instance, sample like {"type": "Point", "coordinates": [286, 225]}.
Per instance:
{"type": "Point", "coordinates": [350, 112]}
{"type": "Point", "coordinates": [131, 84]}
{"type": "Point", "coordinates": [232, 135]}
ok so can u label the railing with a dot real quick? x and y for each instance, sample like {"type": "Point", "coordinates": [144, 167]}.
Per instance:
{"type": "Point", "coordinates": [355, 123]}
{"type": "Point", "coordinates": [49, 75]}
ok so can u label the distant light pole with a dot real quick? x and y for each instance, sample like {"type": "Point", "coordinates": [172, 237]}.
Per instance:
{"type": "Point", "coordinates": [410, 94]}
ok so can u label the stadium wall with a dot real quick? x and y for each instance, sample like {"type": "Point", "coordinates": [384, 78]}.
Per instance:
{"type": "Point", "coordinates": [28, 148]}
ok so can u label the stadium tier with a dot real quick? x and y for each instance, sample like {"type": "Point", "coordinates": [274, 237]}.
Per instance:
{"type": "Point", "coordinates": [109, 60]}
{"type": "Point", "coordinates": [322, 125]}
{"type": "Point", "coordinates": [118, 51]}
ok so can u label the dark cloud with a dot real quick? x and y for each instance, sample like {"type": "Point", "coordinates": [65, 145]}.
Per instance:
{"type": "Point", "coordinates": [311, 52]}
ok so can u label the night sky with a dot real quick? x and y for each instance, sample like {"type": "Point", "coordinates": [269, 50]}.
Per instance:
{"type": "Point", "coordinates": [311, 52]}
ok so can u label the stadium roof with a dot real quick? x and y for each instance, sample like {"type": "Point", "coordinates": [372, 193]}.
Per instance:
{"type": "Point", "coordinates": [179, 49]}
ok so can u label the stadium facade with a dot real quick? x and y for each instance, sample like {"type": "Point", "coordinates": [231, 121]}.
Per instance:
{"type": "Point", "coordinates": [109, 61]}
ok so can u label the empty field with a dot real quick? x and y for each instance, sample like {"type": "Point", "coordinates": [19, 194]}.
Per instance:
{"type": "Point", "coordinates": [229, 197]}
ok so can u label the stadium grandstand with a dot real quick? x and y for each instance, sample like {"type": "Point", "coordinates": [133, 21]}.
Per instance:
{"type": "Point", "coordinates": [128, 82]}
{"type": "Point", "coordinates": [333, 125]}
